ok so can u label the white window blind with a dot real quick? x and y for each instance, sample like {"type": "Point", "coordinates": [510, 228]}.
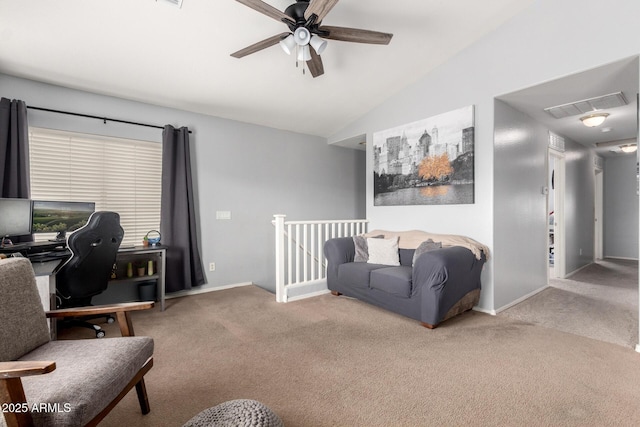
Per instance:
{"type": "Point", "coordinates": [119, 175]}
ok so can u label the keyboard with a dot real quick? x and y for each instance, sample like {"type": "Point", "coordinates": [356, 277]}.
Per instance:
{"type": "Point", "coordinates": [49, 255]}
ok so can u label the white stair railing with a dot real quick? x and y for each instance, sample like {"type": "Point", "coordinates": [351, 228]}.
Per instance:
{"type": "Point", "coordinates": [299, 249]}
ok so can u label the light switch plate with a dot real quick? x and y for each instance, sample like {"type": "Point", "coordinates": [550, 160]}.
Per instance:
{"type": "Point", "coordinates": [223, 214]}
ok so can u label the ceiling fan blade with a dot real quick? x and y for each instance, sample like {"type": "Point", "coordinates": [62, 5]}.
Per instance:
{"type": "Point", "coordinates": [320, 8]}
{"type": "Point", "coordinates": [355, 35]}
{"type": "Point", "coordinates": [315, 64]}
{"type": "Point", "coordinates": [265, 9]}
{"type": "Point", "coordinates": [259, 46]}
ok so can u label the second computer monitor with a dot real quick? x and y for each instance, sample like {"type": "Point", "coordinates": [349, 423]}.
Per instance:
{"type": "Point", "coordinates": [15, 217]}
{"type": "Point", "coordinates": [60, 217]}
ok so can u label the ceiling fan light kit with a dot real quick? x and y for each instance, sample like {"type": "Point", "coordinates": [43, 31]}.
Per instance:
{"type": "Point", "coordinates": [304, 19]}
{"type": "Point", "coordinates": [318, 44]}
{"type": "Point", "coordinates": [302, 36]}
{"type": "Point", "coordinates": [288, 44]}
{"type": "Point", "coordinates": [304, 53]}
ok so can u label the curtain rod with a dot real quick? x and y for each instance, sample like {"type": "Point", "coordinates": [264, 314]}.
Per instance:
{"type": "Point", "coordinates": [104, 119]}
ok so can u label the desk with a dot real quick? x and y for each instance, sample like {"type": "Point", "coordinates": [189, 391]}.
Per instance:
{"type": "Point", "coordinates": [157, 254]}
{"type": "Point", "coordinates": [46, 278]}
{"type": "Point", "coordinates": [46, 283]}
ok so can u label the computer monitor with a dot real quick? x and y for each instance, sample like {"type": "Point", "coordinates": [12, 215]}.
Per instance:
{"type": "Point", "coordinates": [60, 217]}
{"type": "Point", "coordinates": [15, 218]}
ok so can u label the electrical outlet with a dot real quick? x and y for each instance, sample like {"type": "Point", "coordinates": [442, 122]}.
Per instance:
{"type": "Point", "coordinates": [212, 266]}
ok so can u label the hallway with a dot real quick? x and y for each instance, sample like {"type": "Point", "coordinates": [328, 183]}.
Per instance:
{"type": "Point", "coordinates": [599, 302]}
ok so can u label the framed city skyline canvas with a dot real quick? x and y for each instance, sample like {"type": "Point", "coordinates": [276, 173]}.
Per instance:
{"type": "Point", "coordinates": [428, 162]}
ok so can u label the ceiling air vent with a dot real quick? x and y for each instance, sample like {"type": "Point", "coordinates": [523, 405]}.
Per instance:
{"type": "Point", "coordinates": [556, 141]}
{"type": "Point", "coordinates": [587, 105]}
{"type": "Point", "coordinates": [177, 3]}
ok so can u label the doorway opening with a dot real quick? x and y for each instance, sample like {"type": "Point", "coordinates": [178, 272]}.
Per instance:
{"type": "Point", "coordinates": [598, 215]}
{"type": "Point", "coordinates": [555, 210]}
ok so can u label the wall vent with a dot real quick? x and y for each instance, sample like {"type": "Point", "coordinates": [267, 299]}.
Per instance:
{"type": "Point", "coordinates": [587, 105]}
{"type": "Point", "coordinates": [598, 162]}
{"type": "Point", "coordinates": [556, 142]}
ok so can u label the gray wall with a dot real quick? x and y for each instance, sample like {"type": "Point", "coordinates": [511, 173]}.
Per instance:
{"type": "Point", "coordinates": [252, 171]}
{"type": "Point", "coordinates": [579, 206]}
{"type": "Point", "coordinates": [536, 46]}
{"type": "Point", "coordinates": [520, 248]}
{"type": "Point", "coordinates": [620, 207]}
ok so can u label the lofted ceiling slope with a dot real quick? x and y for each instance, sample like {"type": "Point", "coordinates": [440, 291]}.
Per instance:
{"type": "Point", "coordinates": [154, 52]}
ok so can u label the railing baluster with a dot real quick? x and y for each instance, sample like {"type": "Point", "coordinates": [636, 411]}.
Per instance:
{"type": "Point", "coordinates": [306, 241]}
{"type": "Point", "coordinates": [320, 253]}
{"type": "Point", "coordinates": [312, 245]}
{"type": "Point", "coordinates": [289, 254]}
{"type": "Point", "coordinates": [280, 288]}
{"type": "Point", "coordinates": [297, 253]}
{"type": "Point", "coordinates": [304, 253]}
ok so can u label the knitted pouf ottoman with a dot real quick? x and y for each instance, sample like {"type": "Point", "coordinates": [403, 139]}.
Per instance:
{"type": "Point", "coordinates": [236, 413]}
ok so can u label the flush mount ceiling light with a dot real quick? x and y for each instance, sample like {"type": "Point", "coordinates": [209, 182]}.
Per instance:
{"type": "Point", "coordinates": [593, 120]}
{"type": "Point", "coordinates": [629, 148]}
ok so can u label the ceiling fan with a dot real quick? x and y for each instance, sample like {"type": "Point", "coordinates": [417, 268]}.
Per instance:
{"type": "Point", "coordinates": [304, 19]}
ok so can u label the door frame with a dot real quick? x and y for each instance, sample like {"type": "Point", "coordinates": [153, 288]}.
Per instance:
{"type": "Point", "coordinates": [559, 188]}
{"type": "Point", "coordinates": [598, 250]}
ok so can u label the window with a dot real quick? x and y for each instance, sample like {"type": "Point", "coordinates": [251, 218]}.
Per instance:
{"type": "Point", "coordinates": [120, 175]}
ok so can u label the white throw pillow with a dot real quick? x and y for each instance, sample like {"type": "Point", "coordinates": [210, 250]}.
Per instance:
{"type": "Point", "coordinates": [383, 251]}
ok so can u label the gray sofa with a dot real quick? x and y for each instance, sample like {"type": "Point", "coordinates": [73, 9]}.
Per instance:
{"type": "Point", "coordinates": [439, 284]}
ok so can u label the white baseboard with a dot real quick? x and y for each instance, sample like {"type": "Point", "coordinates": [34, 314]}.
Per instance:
{"type": "Point", "coordinates": [311, 284]}
{"type": "Point", "coordinates": [305, 296]}
{"type": "Point", "coordinates": [519, 300]}
{"type": "Point", "coordinates": [180, 294]}
{"type": "Point", "coordinates": [621, 257]}
{"type": "Point", "coordinates": [484, 310]}
{"type": "Point", "coordinates": [566, 276]}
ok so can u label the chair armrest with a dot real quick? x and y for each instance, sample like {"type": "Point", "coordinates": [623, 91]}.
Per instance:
{"type": "Point", "coordinates": [122, 312]}
{"type": "Point", "coordinates": [99, 309]}
{"type": "Point", "coordinates": [15, 408]}
{"type": "Point", "coordinates": [25, 369]}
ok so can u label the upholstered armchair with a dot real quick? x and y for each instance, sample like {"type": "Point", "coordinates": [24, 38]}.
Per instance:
{"type": "Point", "coordinates": [66, 382]}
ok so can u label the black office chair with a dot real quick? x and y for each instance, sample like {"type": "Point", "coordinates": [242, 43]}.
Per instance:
{"type": "Point", "coordinates": [86, 273]}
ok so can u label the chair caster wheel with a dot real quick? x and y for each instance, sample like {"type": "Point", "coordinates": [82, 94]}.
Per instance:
{"type": "Point", "coordinates": [100, 334]}
{"type": "Point", "coordinates": [110, 319]}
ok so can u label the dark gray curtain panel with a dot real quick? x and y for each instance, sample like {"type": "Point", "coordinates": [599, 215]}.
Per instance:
{"type": "Point", "coordinates": [14, 149]}
{"type": "Point", "coordinates": [177, 214]}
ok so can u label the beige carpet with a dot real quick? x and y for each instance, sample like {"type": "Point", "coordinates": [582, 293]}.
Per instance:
{"type": "Point", "coordinates": [334, 361]}
{"type": "Point", "coordinates": [600, 302]}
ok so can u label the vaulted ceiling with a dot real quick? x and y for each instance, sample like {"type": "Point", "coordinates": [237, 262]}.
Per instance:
{"type": "Point", "coordinates": [155, 52]}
